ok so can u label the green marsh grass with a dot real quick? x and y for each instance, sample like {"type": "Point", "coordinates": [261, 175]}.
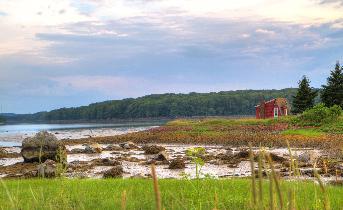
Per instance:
{"type": "Point", "coordinates": [209, 122]}
{"type": "Point", "coordinates": [304, 132]}
{"type": "Point", "coordinates": [175, 194]}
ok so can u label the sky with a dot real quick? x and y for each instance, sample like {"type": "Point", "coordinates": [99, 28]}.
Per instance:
{"type": "Point", "coordinates": [69, 53]}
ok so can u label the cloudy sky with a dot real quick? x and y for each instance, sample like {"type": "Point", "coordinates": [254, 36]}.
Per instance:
{"type": "Point", "coordinates": [62, 53]}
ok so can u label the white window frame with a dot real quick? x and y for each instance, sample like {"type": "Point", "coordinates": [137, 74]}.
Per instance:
{"type": "Point", "coordinates": [276, 112]}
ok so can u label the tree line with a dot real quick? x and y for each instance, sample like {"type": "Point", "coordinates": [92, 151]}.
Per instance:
{"type": "Point", "coordinates": [224, 103]}
{"type": "Point", "coordinates": [2, 119]}
{"type": "Point", "coordinates": [331, 93]}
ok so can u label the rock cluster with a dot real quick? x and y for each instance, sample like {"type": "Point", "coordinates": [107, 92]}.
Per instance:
{"type": "Point", "coordinates": [89, 149]}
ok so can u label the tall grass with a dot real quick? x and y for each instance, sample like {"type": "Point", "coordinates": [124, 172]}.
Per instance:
{"type": "Point", "coordinates": [275, 188]}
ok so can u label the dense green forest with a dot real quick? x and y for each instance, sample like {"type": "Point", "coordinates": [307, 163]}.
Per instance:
{"type": "Point", "coordinates": [225, 103]}
{"type": "Point", "coordinates": [2, 119]}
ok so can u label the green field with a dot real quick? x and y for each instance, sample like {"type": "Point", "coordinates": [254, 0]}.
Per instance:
{"type": "Point", "coordinates": [176, 194]}
{"type": "Point", "coordinates": [304, 132]}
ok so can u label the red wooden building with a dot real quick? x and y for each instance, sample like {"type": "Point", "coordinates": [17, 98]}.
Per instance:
{"type": "Point", "coordinates": [272, 109]}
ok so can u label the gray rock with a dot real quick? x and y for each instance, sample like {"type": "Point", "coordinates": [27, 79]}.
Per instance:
{"type": "Point", "coordinates": [229, 151]}
{"type": "Point", "coordinates": [43, 146]}
{"type": "Point", "coordinates": [90, 149]}
{"type": "Point", "coordinates": [162, 156]}
{"type": "Point", "coordinates": [47, 169]}
{"type": "Point", "coordinates": [308, 157]}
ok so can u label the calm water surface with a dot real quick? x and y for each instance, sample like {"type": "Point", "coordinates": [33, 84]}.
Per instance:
{"type": "Point", "coordinates": [13, 135]}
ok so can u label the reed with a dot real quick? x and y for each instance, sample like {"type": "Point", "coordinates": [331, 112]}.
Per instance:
{"type": "Point", "coordinates": [293, 166]}
{"type": "Point", "coordinates": [276, 180]}
{"type": "Point", "coordinates": [215, 201]}
{"type": "Point", "coordinates": [253, 176]}
{"type": "Point", "coordinates": [326, 202]}
{"type": "Point", "coordinates": [123, 200]}
{"type": "Point", "coordinates": [291, 200]}
{"type": "Point", "coordinates": [271, 193]}
{"type": "Point", "coordinates": [156, 188]}
{"type": "Point", "coordinates": [260, 178]}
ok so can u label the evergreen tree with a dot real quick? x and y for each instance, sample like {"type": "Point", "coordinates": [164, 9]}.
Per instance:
{"type": "Point", "coordinates": [332, 93]}
{"type": "Point", "coordinates": [304, 98]}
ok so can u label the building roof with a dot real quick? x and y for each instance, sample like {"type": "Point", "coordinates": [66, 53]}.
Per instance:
{"type": "Point", "coordinates": [279, 101]}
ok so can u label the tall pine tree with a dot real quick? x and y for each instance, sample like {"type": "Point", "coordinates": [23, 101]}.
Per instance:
{"type": "Point", "coordinates": [332, 93]}
{"type": "Point", "coordinates": [304, 98]}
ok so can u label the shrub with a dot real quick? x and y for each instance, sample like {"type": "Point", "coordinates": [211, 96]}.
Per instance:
{"type": "Point", "coordinates": [319, 115]}
{"type": "Point", "coordinates": [336, 127]}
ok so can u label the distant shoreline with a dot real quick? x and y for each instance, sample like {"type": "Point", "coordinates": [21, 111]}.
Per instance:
{"type": "Point", "coordinates": [109, 121]}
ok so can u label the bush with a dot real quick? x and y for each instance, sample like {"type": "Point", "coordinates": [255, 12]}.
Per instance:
{"type": "Point", "coordinates": [336, 127]}
{"type": "Point", "coordinates": [319, 115]}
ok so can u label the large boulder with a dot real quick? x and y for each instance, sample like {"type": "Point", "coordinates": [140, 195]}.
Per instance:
{"type": "Point", "coordinates": [43, 146]}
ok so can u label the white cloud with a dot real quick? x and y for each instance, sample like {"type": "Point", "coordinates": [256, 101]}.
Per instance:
{"type": "Point", "coordinates": [265, 32]}
{"type": "Point", "coordinates": [245, 35]}
{"type": "Point", "coordinates": [24, 19]}
{"type": "Point", "coordinates": [299, 11]}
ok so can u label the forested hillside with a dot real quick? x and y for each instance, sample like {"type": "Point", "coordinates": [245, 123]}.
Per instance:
{"type": "Point", "coordinates": [168, 105]}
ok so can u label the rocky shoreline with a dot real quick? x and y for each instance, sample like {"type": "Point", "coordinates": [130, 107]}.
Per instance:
{"type": "Point", "coordinates": [130, 160]}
